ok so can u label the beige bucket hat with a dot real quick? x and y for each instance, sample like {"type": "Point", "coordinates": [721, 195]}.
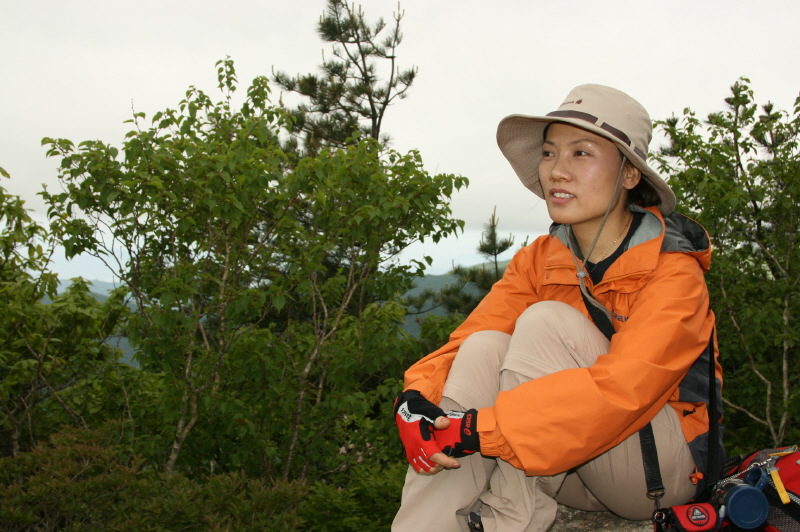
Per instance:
{"type": "Point", "coordinates": [603, 110]}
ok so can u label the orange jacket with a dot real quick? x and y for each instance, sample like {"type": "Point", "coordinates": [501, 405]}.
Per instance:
{"type": "Point", "coordinates": [658, 297]}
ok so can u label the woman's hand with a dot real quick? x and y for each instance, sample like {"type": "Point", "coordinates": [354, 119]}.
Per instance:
{"type": "Point", "coordinates": [440, 459]}
{"type": "Point", "coordinates": [432, 437]}
{"type": "Point", "coordinates": [417, 419]}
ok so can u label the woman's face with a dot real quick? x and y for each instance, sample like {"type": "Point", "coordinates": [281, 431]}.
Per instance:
{"type": "Point", "coordinates": [578, 172]}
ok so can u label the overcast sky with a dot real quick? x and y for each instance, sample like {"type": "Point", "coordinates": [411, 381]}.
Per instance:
{"type": "Point", "coordinates": [75, 69]}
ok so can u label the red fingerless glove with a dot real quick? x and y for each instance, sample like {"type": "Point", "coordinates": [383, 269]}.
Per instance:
{"type": "Point", "coordinates": [415, 416]}
{"type": "Point", "coordinates": [461, 437]}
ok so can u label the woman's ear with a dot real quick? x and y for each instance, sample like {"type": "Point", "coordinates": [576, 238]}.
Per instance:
{"type": "Point", "coordinates": [632, 176]}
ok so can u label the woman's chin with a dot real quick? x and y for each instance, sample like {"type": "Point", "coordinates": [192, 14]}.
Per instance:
{"type": "Point", "coordinates": [559, 216]}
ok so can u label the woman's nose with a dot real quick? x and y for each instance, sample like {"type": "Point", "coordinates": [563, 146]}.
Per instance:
{"type": "Point", "coordinates": [560, 170]}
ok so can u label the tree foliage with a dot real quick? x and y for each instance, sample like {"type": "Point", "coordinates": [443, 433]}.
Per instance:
{"type": "Point", "coordinates": [83, 479]}
{"type": "Point", "coordinates": [356, 86]}
{"type": "Point", "coordinates": [50, 342]}
{"type": "Point", "coordinates": [738, 173]}
{"type": "Point", "coordinates": [263, 304]}
{"type": "Point", "coordinates": [270, 350]}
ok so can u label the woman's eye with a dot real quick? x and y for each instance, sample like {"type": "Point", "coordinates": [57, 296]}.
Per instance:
{"type": "Point", "coordinates": [547, 153]}
{"type": "Point", "coordinates": [580, 153]}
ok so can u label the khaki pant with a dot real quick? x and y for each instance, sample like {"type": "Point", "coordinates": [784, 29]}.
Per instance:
{"type": "Point", "coordinates": [548, 337]}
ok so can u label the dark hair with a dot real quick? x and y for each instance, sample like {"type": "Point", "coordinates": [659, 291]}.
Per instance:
{"type": "Point", "coordinates": [643, 194]}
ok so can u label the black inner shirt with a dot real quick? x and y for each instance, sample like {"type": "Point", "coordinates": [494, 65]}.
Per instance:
{"type": "Point", "coordinates": [598, 270]}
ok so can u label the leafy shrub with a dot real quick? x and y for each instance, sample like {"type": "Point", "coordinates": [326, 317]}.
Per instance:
{"type": "Point", "coordinates": [82, 480]}
{"type": "Point", "coordinates": [367, 502]}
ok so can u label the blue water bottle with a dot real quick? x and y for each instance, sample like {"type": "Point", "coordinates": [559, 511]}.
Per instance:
{"type": "Point", "coordinates": [745, 504]}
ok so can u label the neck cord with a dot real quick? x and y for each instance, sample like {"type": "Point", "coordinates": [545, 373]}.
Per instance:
{"type": "Point", "coordinates": [572, 243]}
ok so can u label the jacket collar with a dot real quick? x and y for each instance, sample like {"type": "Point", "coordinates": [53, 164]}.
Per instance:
{"type": "Point", "coordinates": [654, 235]}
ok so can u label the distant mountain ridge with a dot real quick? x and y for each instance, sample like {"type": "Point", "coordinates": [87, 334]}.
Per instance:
{"type": "Point", "coordinates": [432, 281]}
{"type": "Point", "coordinates": [100, 290]}
{"type": "Point", "coordinates": [437, 282]}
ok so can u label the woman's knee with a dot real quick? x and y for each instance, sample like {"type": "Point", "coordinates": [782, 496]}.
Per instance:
{"type": "Point", "coordinates": [474, 378]}
{"type": "Point", "coordinates": [551, 336]}
{"type": "Point", "coordinates": [482, 346]}
{"type": "Point", "coordinates": [549, 316]}
{"type": "Point", "coordinates": [481, 352]}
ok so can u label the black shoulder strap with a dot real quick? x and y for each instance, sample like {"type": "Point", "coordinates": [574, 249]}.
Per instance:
{"type": "Point", "coordinates": [652, 470]}
{"type": "Point", "coordinates": [714, 451]}
{"type": "Point", "coordinates": [598, 317]}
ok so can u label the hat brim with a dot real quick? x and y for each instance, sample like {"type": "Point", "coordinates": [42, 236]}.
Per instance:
{"type": "Point", "coordinates": [520, 138]}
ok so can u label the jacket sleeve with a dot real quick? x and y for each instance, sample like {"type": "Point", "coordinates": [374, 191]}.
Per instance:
{"type": "Point", "coordinates": [557, 422]}
{"type": "Point", "coordinates": [498, 311]}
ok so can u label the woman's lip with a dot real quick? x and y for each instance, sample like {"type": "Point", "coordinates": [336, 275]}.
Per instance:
{"type": "Point", "coordinates": [562, 197]}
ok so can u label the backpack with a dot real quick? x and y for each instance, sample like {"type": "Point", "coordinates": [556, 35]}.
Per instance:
{"type": "Point", "coordinates": [758, 491]}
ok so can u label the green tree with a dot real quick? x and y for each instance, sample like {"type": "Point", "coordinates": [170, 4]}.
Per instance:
{"type": "Point", "coordinates": [348, 100]}
{"type": "Point", "coordinates": [356, 86]}
{"type": "Point", "coordinates": [738, 173]}
{"type": "Point", "coordinates": [216, 233]}
{"type": "Point", "coordinates": [49, 342]}
{"type": "Point", "coordinates": [492, 246]}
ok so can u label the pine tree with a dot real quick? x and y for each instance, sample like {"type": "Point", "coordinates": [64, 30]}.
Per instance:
{"type": "Point", "coordinates": [490, 247]}
{"type": "Point", "coordinates": [357, 85]}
